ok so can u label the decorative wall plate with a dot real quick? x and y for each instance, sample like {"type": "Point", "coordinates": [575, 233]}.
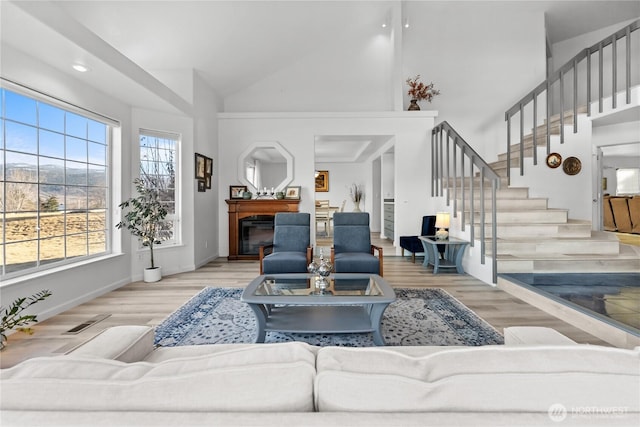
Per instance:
{"type": "Point", "coordinates": [554, 160]}
{"type": "Point", "coordinates": [572, 166]}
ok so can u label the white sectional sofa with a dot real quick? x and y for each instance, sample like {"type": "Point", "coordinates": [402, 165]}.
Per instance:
{"type": "Point", "coordinates": [119, 378]}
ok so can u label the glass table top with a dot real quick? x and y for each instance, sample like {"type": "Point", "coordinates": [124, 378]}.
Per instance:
{"type": "Point", "coordinates": [305, 285]}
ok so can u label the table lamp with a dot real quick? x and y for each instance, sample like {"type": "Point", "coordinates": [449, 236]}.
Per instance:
{"type": "Point", "coordinates": [442, 224]}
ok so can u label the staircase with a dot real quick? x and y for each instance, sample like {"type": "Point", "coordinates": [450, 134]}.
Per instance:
{"type": "Point", "coordinates": [523, 234]}
{"type": "Point", "coordinates": [531, 237]}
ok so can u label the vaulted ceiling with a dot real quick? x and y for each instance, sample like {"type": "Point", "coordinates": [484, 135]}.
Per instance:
{"type": "Point", "coordinates": [232, 44]}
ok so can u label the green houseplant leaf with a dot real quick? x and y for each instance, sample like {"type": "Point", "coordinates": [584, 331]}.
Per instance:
{"type": "Point", "coordinates": [11, 318]}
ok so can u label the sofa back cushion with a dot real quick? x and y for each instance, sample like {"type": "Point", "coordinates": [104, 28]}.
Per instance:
{"type": "Point", "coordinates": [250, 379]}
{"type": "Point", "coordinates": [484, 379]}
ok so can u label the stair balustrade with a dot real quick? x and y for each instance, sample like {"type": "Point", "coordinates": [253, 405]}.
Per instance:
{"type": "Point", "coordinates": [580, 69]}
{"type": "Point", "coordinates": [446, 143]}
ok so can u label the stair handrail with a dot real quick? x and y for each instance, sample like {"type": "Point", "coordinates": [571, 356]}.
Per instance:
{"type": "Point", "coordinates": [558, 76]}
{"type": "Point", "coordinates": [438, 175]}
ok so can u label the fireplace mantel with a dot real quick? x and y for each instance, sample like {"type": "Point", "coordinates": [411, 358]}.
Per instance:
{"type": "Point", "coordinates": [240, 208]}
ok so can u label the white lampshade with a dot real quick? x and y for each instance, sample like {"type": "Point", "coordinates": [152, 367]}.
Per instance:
{"type": "Point", "coordinates": [442, 223]}
{"type": "Point", "coordinates": [442, 220]}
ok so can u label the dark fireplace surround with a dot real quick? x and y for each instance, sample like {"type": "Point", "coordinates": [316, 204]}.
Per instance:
{"type": "Point", "coordinates": [251, 225]}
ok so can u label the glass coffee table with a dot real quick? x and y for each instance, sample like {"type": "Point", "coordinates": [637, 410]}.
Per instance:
{"type": "Point", "coordinates": [350, 303]}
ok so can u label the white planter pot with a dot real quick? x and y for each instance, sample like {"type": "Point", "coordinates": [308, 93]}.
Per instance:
{"type": "Point", "coordinates": [152, 274]}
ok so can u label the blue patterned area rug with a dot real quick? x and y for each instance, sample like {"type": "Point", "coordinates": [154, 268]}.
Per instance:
{"type": "Point", "coordinates": [417, 317]}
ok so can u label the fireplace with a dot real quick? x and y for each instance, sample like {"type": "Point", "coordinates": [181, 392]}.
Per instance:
{"type": "Point", "coordinates": [251, 225]}
{"type": "Point", "coordinates": [255, 231]}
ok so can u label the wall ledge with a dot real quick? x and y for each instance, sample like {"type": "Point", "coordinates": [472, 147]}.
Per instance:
{"type": "Point", "coordinates": [422, 114]}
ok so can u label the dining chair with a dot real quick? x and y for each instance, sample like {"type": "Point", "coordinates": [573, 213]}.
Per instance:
{"type": "Point", "coordinates": [323, 215]}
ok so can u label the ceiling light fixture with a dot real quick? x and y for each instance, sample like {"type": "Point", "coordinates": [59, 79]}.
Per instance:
{"type": "Point", "coordinates": [80, 68]}
{"type": "Point", "coordinates": [384, 25]}
{"type": "Point", "coordinates": [406, 23]}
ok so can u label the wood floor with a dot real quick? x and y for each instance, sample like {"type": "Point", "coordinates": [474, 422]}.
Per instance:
{"type": "Point", "coordinates": [141, 303]}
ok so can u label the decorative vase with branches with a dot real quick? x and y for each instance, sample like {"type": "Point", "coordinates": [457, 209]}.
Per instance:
{"type": "Point", "coordinates": [419, 91]}
{"type": "Point", "coordinates": [357, 195]}
{"type": "Point", "coordinates": [13, 319]}
{"type": "Point", "coordinates": [145, 217]}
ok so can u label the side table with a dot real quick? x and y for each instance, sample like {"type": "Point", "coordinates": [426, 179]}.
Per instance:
{"type": "Point", "coordinates": [454, 250]}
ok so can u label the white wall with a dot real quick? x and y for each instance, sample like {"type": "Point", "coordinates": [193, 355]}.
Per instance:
{"type": "Point", "coordinates": [341, 177]}
{"type": "Point", "coordinates": [296, 132]}
{"type": "Point", "coordinates": [354, 76]}
{"type": "Point", "coordinates": [483, 56]}
{"type": "Point", "coordinates": [563, 51]}
{"type": "Point", "coordinates": [571, 192]}
{"type": "Point", "coordinates": [206, 104]}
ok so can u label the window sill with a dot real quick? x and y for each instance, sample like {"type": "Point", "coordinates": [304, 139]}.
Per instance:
{"type": "Point", "coordinates": [39, 274]}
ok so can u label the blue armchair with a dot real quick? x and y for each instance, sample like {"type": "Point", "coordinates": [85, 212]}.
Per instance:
{"type": "Point", "coordinates": [291, 251]}
{"type": "Point", "coordinates": [413, 244]}
{"type": "Point", "coordinates": [352, 251]}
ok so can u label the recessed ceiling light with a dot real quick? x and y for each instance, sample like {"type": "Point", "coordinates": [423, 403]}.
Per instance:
{"type": "Point", "coordinates": [384, 25]}
{"type": "Point", "coordinates": [81, 68]}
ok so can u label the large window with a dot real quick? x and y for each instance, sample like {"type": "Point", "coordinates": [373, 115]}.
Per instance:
{"type": "Point", "coordinates": [158, 169]}
{"type": "Point", "coordinates": [54, 186]}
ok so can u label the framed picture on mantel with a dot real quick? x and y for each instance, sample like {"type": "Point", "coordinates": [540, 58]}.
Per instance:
{"type": "Point", "coordinates": [292, 193]}
{"type": "Point", "coordinates": [237, 191]}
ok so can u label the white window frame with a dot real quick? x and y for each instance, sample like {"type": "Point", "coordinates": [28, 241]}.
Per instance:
{"type": "Point", "coordinates": [111, 124]}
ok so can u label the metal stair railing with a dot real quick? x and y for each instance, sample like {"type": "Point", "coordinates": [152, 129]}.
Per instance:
{"type": "Point", "coordinates": [558, 79]}
{"type": "Point", "coordinates": [445, 145]}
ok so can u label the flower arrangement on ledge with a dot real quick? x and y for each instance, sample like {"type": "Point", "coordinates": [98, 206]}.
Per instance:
{"type": "Point", "coordinates": [419, 91]}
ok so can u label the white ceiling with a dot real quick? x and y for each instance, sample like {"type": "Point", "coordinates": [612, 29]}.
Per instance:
{"type": "Point", "coordinates": [232, 44]}
{"type": "Point", "coordinates": [347, 148]}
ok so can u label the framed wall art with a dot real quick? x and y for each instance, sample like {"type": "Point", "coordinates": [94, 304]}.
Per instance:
{"type": "Point", "coordinates": [200, 166]}
{"type": "Point", "coordinates": [322, 181]}
{"type": "Point", "coordinates": [572, 166]}
{"type": "Point", "coordinates": [208, 168]}
{"type": "Point", "coordinates": [201, 186]}
{"type": "Point", "coordinates": [554, 160]}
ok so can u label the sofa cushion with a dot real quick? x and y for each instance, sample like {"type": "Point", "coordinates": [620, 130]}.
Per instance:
{"type": "Point", "coordinates": [535, 335]}
{"type": "Point", "coordinates": [257, 378]}
{"type": "Point", "coordinates": [123, 343]}
{"type": "Point", "coordinates": [484, 379]}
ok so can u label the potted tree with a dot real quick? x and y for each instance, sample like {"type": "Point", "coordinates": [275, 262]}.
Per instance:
{"type": "Point", "coordinates": [144, 218]}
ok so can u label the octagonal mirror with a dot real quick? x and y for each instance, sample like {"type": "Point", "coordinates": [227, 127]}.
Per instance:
{"type": "Point", "coordinates": [265, 165]}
